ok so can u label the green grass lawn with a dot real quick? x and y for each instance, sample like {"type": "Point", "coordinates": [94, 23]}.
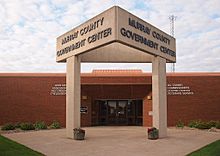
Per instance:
{"type": "Point", "coordinates": [212, 149]}
{"type": "Point", "coordinates": [11, 148]}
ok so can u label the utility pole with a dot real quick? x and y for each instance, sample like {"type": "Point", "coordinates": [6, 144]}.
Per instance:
{"type": "Point", "coordinates": [172, 18]}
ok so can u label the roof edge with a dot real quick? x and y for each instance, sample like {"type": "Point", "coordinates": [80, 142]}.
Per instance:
{"type": "Point", "coordinates": [111, 74]}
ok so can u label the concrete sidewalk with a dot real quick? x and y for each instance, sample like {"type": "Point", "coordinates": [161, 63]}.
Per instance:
{"type": "Point", "coordinates": [115, 141]}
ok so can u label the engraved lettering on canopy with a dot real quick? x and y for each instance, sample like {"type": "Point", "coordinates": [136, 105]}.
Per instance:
{"type": "Point", "coordinates": [112, 28]}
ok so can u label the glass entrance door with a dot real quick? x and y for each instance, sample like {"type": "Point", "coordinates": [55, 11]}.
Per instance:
{"type": "Point", "coordinates": [112, 112]}
{"type": "Point", "coordinates": [119, 112]}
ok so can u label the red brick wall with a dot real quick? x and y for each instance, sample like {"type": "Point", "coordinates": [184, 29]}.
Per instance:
{"type": "Point", "coordinates": [147, 107]}
{"type": "Point", "coordinates": [86, 118]}
{"type": "Point", "coordinates": [28, 98]}
{"type": "Point", "coordinates": [115, 91]}
{"type": "Point", "coordinates": [204, 104]}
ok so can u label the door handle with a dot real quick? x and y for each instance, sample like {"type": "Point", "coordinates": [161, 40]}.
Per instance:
{"type": "Point", "coordinates": [117, 114]}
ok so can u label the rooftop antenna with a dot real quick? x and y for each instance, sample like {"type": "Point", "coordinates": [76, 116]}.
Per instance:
{"type": "Point", "coordinates": [172, 18]}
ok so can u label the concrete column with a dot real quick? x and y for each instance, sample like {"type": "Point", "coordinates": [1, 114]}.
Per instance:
{"type": "Point", "coordinates": [159, 95]}
{"type": "Point", "coordinates": [72, 95]}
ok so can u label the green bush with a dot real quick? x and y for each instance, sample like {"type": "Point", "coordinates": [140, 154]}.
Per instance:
{"type": "Point", "coordinates": [40, 125]}
{"type": "Point", "coordinates": [212, 123]}
{"type": "Point", "coordinates": [203, 125]}
{"type": "Point", "coordinates": [194, 123]}
{"type": "Point", "coordinates": [17, 125]}
{"type": "Point", "coordinates": [27, 126]}
{"type": "Point", "coordinates": [7, 127]}
{"type": "Point", "coordinates": [179, 124]}
{"type": "Point", "coordinates": [55, 125]}
{"type": "Point", "coordinates": [217, 125]}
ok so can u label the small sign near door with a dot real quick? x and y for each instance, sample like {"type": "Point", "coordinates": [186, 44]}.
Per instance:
{"type": "Point", "coordinates": [84, 109]}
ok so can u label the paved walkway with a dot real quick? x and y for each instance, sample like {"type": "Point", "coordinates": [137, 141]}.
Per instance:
{"type": "Point", "coordinates": [115, 141]}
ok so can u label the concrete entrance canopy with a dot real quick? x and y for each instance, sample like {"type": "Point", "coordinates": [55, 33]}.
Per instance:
{"type": "Point", "coordinates": [118, 32]}
{"type": "Point", "coordinates": [116, 36]}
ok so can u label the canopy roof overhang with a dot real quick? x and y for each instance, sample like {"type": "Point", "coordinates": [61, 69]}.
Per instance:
{"type": "Point", "coordinates": [116, 36]}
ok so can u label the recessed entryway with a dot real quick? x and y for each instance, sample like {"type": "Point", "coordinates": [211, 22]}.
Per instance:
{"type": "Point", "coordinates": [118, 112]}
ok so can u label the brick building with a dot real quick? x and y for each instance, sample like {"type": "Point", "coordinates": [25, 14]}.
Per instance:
{"type": "Point", "coordinates": [108, 97]}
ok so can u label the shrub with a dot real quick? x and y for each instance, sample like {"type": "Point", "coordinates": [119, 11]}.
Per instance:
{"type": "Point", "coordinates": [203, 125]}
{"type": "Point", "coordinates": [217, 125]}
{"type": "Point", "coordinates": [179, 124]}
{"type": "Point", "coordinates": [212, 123]}
{"type": "Point", "coordinates": [55, 125]}
{"type": "Point", "coordinates": [27, 126]}
{"type": "Point", "coordinates": [7, 127]}
{"type": "Point", "coordinates": [194, 123]}
{"type": "Point", "coordinates": [17, 125]}
{"type": "Point", "coordinates": [40, 125]}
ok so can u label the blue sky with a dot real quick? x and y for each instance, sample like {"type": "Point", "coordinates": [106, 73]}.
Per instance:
{"type": "Point", "coordinates": [28, 31]}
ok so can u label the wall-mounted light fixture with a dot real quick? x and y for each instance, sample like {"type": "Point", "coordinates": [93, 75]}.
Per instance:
{"type": "Point", "coordinates": [149, 97]}
{"type": "Point", "coordinates": [84, 97]}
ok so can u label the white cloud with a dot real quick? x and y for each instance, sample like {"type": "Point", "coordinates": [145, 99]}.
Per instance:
{"type": "Point", "coordinates": [28, 31]}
